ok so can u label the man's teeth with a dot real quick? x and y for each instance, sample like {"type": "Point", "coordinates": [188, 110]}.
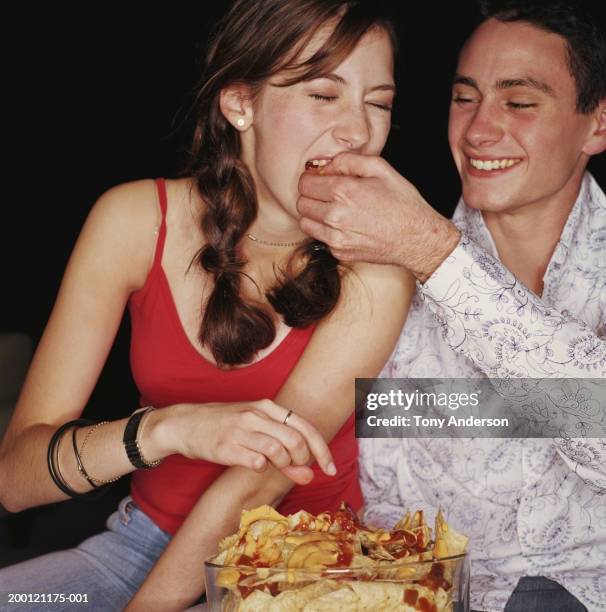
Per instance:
{"type": "Point", "coordinates": [317, 163]}
{"type": "Point", "coordinates": [492, 164]}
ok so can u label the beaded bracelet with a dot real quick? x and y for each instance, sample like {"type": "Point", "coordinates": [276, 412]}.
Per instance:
{"type": "Point", "coordinates": [95, 482]}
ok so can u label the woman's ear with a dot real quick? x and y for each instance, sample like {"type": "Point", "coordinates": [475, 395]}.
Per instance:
{"type": "Point", "coordinates": [236, 105]}
{"type": "Point", "coordinates": [596, 143]}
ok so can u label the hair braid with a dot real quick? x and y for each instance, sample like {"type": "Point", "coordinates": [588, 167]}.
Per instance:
{"type": "Point", "coordinates": [306, 297]}
{"type": "Point", "coordinates": [231, 328]}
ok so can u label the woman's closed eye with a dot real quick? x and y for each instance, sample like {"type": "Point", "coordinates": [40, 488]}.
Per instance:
{"type": "Point", "coordinates": [381, 105]}
{"type": "Point", "coordinates": [322, 97]}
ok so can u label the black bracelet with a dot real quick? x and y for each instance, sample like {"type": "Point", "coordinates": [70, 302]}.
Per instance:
{"type": "Point", "coordinates": [52, 462]}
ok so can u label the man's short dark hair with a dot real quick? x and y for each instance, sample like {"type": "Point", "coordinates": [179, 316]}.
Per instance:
{"type": "Point", "coordinates": [581, 25]}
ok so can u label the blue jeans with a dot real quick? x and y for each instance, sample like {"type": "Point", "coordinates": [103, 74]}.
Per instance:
{"type": "Point", "coordinates": [107, 568]}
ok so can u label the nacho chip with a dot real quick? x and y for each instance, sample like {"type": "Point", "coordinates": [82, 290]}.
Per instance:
{"type": "Point", "coordinates": [378, 595]}
{"type": "Point", "coordinates": [257, 601]}
{"type": "Point", "coordinates": [295, 600]}
{"type": "Point", "coordinates": [449, 542]}
{"type": "Point", "coordinates": [343, 600]}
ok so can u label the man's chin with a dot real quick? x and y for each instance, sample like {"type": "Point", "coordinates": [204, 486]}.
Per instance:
{"type": "Point", "coordinates": [487, 200]}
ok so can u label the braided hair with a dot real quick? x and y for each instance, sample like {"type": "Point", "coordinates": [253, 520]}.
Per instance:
{"type": "Point", "coordinates": [255, 40]}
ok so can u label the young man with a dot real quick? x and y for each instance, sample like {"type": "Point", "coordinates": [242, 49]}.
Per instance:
{"type": "Point", "coordinates": [527, 113]}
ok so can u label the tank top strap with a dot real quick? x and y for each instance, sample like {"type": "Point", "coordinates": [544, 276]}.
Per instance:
{"type": "Point", "coordinates": [161, 230]}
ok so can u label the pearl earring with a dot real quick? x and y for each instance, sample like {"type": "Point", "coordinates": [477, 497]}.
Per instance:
{"type": "Point", "coordinates": [240, 122]}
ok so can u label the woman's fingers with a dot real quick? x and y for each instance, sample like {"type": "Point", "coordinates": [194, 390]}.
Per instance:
{"type": "Point", "coordinates": [269, 446]}
{"type": "Point", "coordinates": [291, 439]}
{"type": "Point", "coordinates": [311, 436]}
{"type": "Point", "coordinates": [301, 474]}
{"type": "Point", "coordinates": [317, 445]}
{"type": "Point", "coordinates": [250, 459]}
{"type": "Point", "coordinates": [253, 434]}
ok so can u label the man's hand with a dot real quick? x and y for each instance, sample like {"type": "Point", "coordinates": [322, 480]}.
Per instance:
{"type": "Point", "coordinates": [365, 211]}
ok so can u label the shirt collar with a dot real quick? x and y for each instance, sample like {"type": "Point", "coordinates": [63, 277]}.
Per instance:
{"type": "Point", "coordinates": [471, 221]}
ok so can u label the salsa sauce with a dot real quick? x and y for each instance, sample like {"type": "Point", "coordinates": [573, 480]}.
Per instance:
{"type": "Point", "coordinates": [254, 561]}
{"type": "Point", "coordinates": [346, 518]}
{"type": "Point", "coordinates": [435, 579]}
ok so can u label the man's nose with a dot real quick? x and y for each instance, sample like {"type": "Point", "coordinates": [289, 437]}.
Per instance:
{"type": "Point", "coordinates": [353, 129]}
{"type": "Point", "coordinates": [485, 126]}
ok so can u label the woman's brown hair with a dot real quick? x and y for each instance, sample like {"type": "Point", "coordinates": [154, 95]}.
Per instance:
{"type": "Point", "coordinates": [255, 40]}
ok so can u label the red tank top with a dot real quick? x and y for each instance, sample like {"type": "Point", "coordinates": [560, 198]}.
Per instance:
{"type": "Point", "coordinates": [169, 370]}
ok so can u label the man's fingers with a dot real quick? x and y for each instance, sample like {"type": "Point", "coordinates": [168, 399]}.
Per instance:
{"type": "Point", "coordinates": [316, 230]}
{"type": "Point", "coordinates": [354, 164]}
{"type": "Point", "coordinates": [312, 209]}
{"type": "Point", "coordinates": [316, 186]}
{"type": "Point", "coordinates": [329, 236]}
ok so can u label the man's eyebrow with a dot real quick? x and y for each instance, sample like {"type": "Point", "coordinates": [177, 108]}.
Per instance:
{"type": "Point", "coordinates": [459, 79]}
{"type": "Point", "coordinates": [525, 82]}
{"type": "Point", "coordinates": [341, 81]}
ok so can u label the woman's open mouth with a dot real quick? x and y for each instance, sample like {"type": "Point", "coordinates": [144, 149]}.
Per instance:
{"type": "Point", "coordinates": [317, 163]}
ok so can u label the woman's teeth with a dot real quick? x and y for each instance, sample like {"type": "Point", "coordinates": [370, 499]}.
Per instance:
{"type": "Point", "coordinates": [493, 164]}
{"type": "Point", "coordinates": [316, 163]}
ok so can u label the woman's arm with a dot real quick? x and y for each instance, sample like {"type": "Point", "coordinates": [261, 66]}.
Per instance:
{"type": "Point", "coordinates": [109, 261]}
{"type": "Point", "coordinates": [354, 341]}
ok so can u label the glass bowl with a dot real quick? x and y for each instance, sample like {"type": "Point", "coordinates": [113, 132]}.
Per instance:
{"type": "Point", "coordinates": [383, 586]}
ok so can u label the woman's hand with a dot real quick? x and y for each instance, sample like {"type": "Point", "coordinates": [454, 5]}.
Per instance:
{"type": "Point", "coordinates": [247, 434]}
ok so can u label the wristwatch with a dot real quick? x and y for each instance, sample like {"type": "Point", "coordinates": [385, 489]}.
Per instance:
{"type": "Point", "coordinates": [131, 441]}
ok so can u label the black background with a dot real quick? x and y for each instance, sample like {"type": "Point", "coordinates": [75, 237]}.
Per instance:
{"type": "Point", "coordinates": [97, 93]}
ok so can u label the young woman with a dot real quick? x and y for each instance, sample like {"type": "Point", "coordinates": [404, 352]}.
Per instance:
{"type": "Point", "coordinates": [231, 304]}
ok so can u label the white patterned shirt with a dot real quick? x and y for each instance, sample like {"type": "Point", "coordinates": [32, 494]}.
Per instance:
{"type": "Point", "coordinates": [530, 506]}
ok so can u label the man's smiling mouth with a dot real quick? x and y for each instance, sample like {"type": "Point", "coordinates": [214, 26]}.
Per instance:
{"type": "Point", "coordinates": [489, 165]}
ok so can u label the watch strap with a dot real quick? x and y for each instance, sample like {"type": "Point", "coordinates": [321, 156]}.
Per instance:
{"type": "Point", "coordinates": [131, 442]}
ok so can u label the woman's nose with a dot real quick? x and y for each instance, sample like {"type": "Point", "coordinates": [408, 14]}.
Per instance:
{"type": "Point", "coordinates": [352, 129]}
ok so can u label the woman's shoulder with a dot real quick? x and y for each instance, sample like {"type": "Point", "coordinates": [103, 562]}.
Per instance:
{"type": "Point", "coordinates": [373, 293]}
{"type": "Point", "coordinates": [128, 201]}
{"type": "Point", "coordinates": [380, 272]}
{"type": "Point", "coordinates": [125, 219]}
{"type": "Point", "coordinates": [378, 281]}
{"type": "Point", "coordinates": [140, 199]}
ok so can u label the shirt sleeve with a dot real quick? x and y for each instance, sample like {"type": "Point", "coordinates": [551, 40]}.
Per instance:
{"type": "Point", "coordinates": [508, 332]}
